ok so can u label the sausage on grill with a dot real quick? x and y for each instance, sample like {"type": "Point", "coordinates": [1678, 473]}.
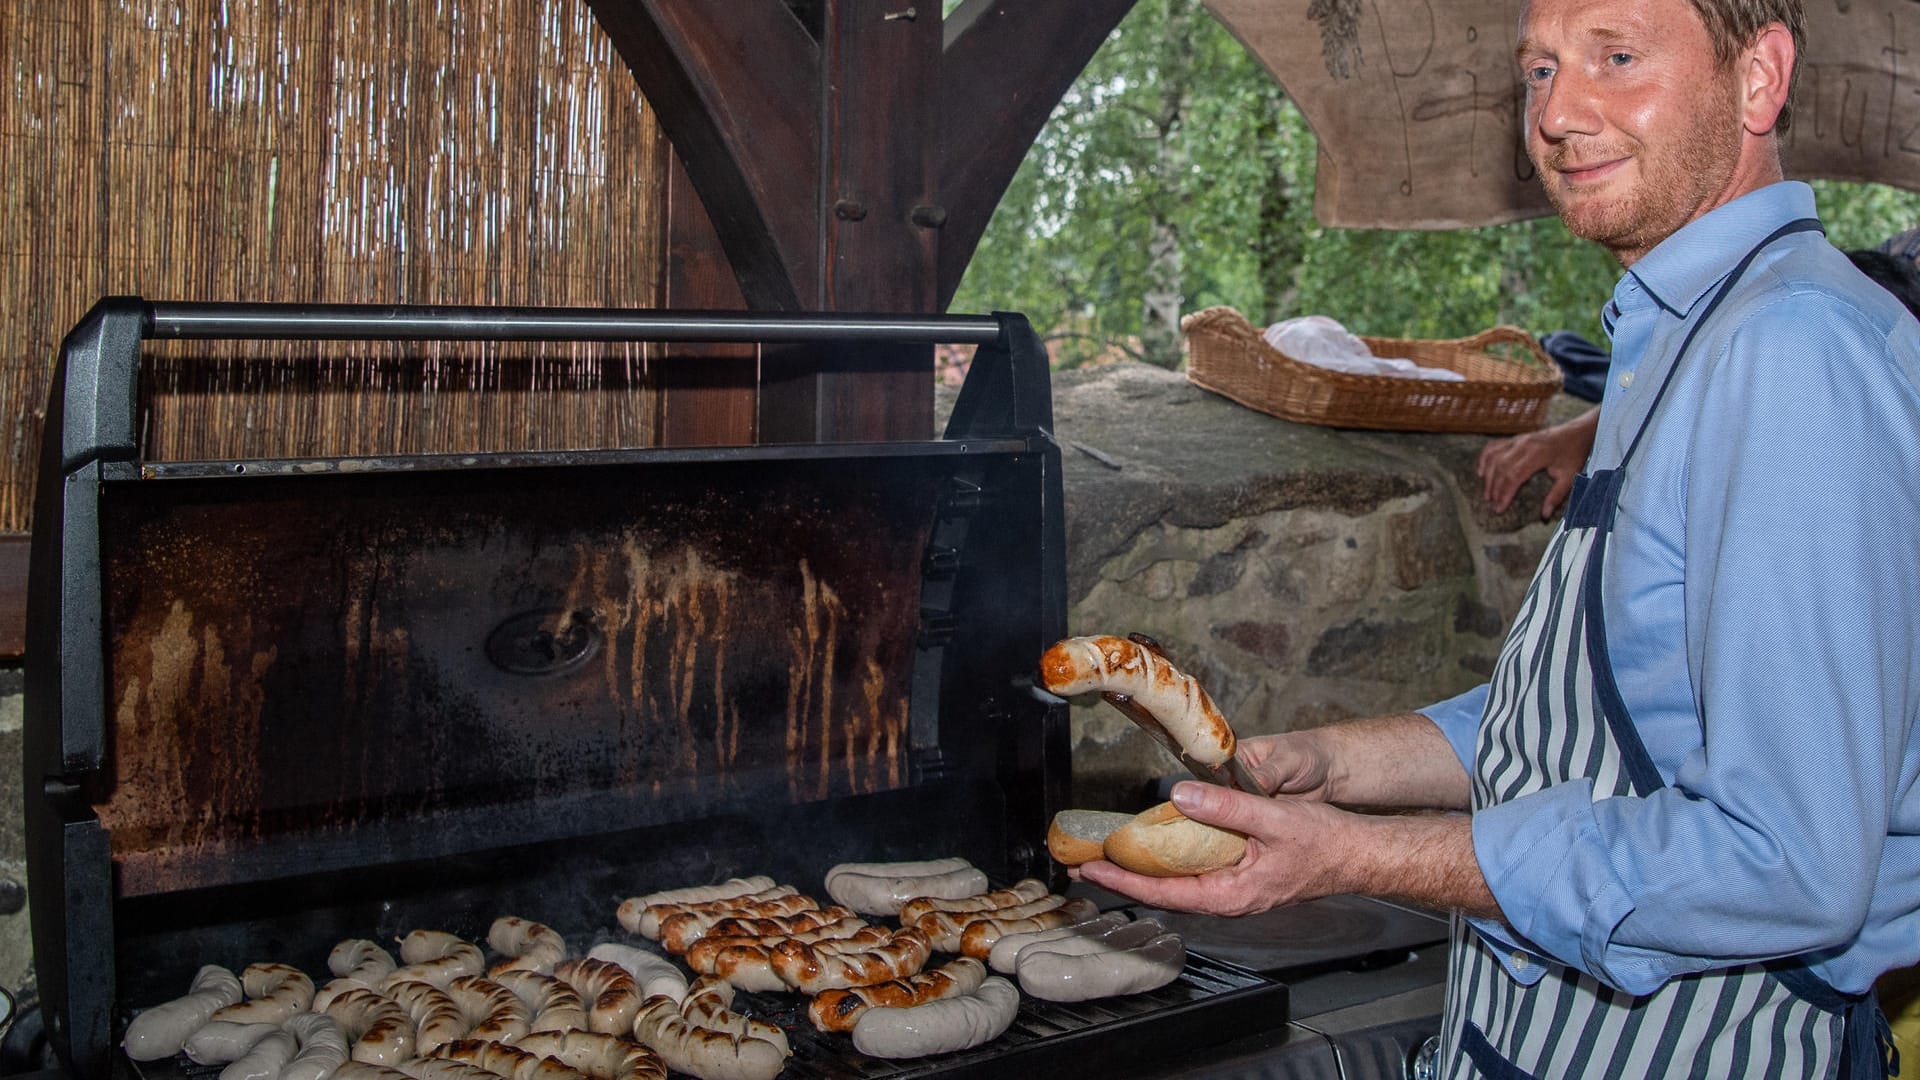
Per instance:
{"type": "Point", "coordinates": [709, 1003]}
{"type": "Point", "coordinates": [651, 974]}
{"type": "Point", "coordinates": [603, 1057]}
{"type": "Point", "coordinates": [838, 1010]}
{"type": "Point", "coordinates": [162, 1030]}
{"type": "Point", "coordinates": [981, 934]}
{"type": "Point", "coordinates": [608, 990]}
{"type": "Point", "coordinates": [939, 1027]}
{"type": "Point", "coordinates": [265, 1060]}
{"type": "Point", "coordinates": [1021, 892]}
{"type": "Point", "coordinates": [683, 928]}
{"type": "Point", "coordinates": [492, 1011]}
{"type": "Point", "coordinates": [508, 1061]}
{"type": "Point", "coordinates": [379, 1029]}
{"type": "Point", "coordinates": [323, 1048]}
{"type": "Point", "coordinates": [221, 1041]}
{"type": "Point", "coordinates": [696, 1051]}
{"type": "Point", "coordinates": [437, 1019]}
{"type": "Point", "coordinates": [644, 919]}
{"type": "Point", "coordinates": [812, 969]}
{"type": "Point", "coordinates": [274, 993]}
{"type": "Point", "coordinates": [555, 1005]}
{"type": "Point", "coordinates": [528, 945]}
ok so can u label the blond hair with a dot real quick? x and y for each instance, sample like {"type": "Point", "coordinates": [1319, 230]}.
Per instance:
{"type": "Point", "coordinates": [1735, 24]}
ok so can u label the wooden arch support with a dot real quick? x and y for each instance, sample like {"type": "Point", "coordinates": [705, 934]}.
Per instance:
{"type": "Point", "coordinates": [851, 165]}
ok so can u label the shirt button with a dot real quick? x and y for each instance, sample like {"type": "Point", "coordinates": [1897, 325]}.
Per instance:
{"type": "Point", "coordinates": [1519, 960]}
{"type": "Point", "coordinates": [1626, 379]}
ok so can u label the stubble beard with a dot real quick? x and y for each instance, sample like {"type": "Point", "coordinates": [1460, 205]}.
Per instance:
{"type": "Point", "coordinates": [1676, 179]}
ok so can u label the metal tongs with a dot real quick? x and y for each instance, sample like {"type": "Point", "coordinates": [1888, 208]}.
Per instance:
{"type": "Point", "coordinates": [1233, 774]}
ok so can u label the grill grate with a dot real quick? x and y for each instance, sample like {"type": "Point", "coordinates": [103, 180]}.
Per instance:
{"type": "Point", "coordinates": [1211, 1001]}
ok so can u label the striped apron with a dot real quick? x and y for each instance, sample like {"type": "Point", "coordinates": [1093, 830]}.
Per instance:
{"type": "Point", "coordinates": [1554, 714]}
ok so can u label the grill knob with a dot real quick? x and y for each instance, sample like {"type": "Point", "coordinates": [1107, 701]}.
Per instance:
{"type": "Point", "coordinates": [1424, 1062]}
{"type": "Point", "coordinates": [544, 642]}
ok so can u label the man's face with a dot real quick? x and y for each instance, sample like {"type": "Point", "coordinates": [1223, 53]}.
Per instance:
{"type": "Point", "coordinates": [1634, 128]}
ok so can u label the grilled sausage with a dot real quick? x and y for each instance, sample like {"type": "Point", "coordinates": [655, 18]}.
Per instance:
{"type": "Point", "coordinates": [274, 992]}
{"type": "Point", "coordinates": [874, 894]}
{"type": "Point", "coordinates": [812, 969]}
{"type": "Point", "coordinates": [1021, 892]}
{"type": "Point", "coordinates": [323, 1047]}
{"type": "Point", "coordinates": [939, 1027]}
{"type": "Point", "coordinates": [603, 1057]}
{"type": "Point", "coordinates": [645, 919]}
{"type": "Point", "coordinates": [978, 939]}
{"type": "Point", "coordinates": [162, 1030]}
{"type": "Point", "coordinates": [1081, 969]}
{"type": "Point", "coordinates": [437, 1019]}
{"type": "Point", "coordinates": [432, 956]}
{"type": "Point", "coordinates": [507, 1061]}
{"type": "Point", "coordinates": [946, 927]}
{"type": "Point", "coordinates": [528, 945]}
{"type": "Point", "coordinates": [379, 1029]}
{"type": "Point", "coordinates": [704, 956]}
{"type": "Point", "coordinates": [651, 974]}
{"type": "Point", "coordinates": [492, 1011]}
{"type": "Point", "coordinates": [683, 928]}
{"type": "Point", "coordinates": [683, 931]}
{"type": "Point", "coordinates": [1001, 958]}
{"type": "Point", "coordinates": [839, 1010]}
{"type": "Point", "coordinates": [358, 958]}
{"type": "Point", "coordinates": [923, 868]}
{"type": "Point", "coordinates": [265, 1060]}
{"type": "Point", "coordinates": [221, 1041]}
{"type": "Point", "coordinates": [708, 1055]}
{"type": "Point", "coordinates": [555, 1005]}
{"type": "Point", "coordinates": [608, 990]}
{"type": "Point", "coordinates": [709, 1003]}
{"type": "Point", "coordinates": [1119, 666]}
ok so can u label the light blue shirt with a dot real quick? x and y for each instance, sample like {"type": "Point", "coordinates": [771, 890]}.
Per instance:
{"type": "Point", "coordinates": [1762, 602]}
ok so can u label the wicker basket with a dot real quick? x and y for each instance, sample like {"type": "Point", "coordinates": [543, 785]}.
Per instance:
{"type": "Point", "coordinates": [1229, 357]}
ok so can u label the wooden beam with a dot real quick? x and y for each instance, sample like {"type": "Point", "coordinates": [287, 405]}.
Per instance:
{"type": "Point", "coordinates": [736, 87]}
{"type": "Point", "coordinates": [882, 231]}
{"type": "Point", "coordinates": [1005, 66]}
{"type": "Point", "coordinates": [13, 595]}
{"type": "Point", "coordinates": [707, 394]}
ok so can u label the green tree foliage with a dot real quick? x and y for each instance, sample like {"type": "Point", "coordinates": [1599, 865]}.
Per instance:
{"type": "Point", "coordinates": [1198, 142]}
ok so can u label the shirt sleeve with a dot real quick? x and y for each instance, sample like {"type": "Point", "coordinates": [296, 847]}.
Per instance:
{"type": "Point", "coordinates": [1458, 718]}
{"type": "Point", "coordinates": [1801, 534]}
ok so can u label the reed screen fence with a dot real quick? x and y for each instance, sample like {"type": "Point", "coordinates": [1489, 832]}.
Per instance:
{"type": "Point", "coordinates": [356, 151]}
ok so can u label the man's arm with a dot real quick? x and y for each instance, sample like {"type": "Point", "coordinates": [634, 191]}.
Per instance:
{"type": "Point", "coordinates": [1403, 761]}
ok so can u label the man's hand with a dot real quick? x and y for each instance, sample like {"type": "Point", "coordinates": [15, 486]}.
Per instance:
{"type": "Point", "coordinates": [1296, 764]}
{"type": "Point", "coordinates": [1562, 450]}
{"type": "Point", "coordinates": [1294, 853]}
{"type": "Point", "coordinates": [1299, 849]}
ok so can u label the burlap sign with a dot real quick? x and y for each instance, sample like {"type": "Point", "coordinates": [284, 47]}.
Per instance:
{"type": "Point", "coordinates": [1417, 103]}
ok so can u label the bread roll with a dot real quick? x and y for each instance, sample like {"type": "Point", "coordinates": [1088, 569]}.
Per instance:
{"type": "Point", "coordinates": [1163, 842]}
{"type": "Point", "coordinates": [1078, 836]}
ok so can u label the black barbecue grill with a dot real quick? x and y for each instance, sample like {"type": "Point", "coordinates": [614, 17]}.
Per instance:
{"type": "Point", "coordinates": [272, 704]}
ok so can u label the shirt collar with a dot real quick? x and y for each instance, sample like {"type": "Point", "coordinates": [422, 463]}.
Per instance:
{"type": "Point", "coordinates": [1683, 267]}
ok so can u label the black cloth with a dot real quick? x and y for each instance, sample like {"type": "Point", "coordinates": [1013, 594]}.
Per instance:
{"type": "Point", "coordinates": [1583, 365]}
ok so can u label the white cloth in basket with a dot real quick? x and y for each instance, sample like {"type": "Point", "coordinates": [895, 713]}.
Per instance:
{"type": "Point", "coordinates": [1323, 342]}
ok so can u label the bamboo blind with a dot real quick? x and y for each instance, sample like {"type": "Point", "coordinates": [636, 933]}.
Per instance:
{"type": "Point", "coordinates": [373, 151]}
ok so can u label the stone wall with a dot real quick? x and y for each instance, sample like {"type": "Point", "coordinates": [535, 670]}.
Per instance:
{"type": "Point", "coordinates": [1306, 575]}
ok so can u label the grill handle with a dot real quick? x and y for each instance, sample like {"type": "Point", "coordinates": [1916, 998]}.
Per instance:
{"type": "Point", "coordinates": [341, 322]}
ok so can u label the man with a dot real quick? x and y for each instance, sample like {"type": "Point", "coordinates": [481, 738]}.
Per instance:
{"type": "Point", "coordinates": [1694, 777]}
